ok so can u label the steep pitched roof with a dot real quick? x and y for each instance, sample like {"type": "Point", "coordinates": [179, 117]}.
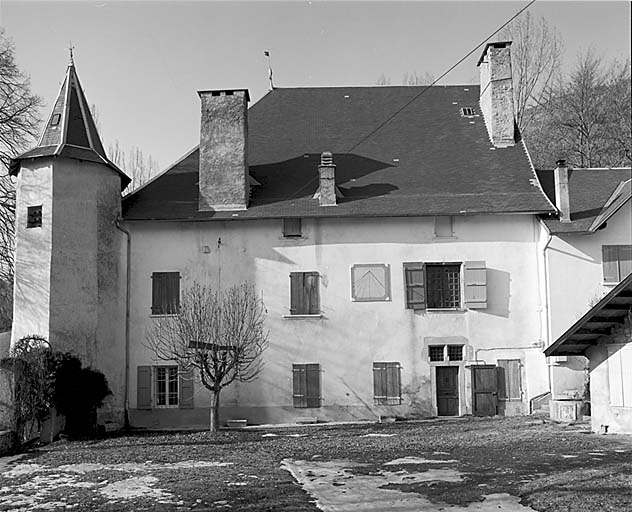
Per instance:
{"type": "Point", "coordinates": [595, 195]}
{"type": "Point", "coordinates": [397, 152]}
{"type": "Point", "coordinates": [597, 322]}
{"type": "Point", "coordinates": [70, 130]}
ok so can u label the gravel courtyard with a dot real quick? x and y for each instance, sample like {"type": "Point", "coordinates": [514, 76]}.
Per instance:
{"type": "Point", "coordinates": [464, 464]}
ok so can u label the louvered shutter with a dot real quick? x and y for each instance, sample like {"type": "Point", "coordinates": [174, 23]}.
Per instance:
{"type": "Point", "coordinates": [156, 293]}
{"type": "Point", "coordinates": [296, 293]}
{"type": "Point", "coordinates": [312, 372]}
{"type": "Point", "coordinates": [310, 287]}
{"type": "Point", "coordinates": [610, 255]}
{"type": "Point", "coordinates": [379, 383]}
{"type": "Point", "coordinates": [143, 387]}
{"type": "Point", "coordinates": [625, 261]}
{"type": "Point", "coordinates": [414, 277]}
{"type": "Point", "coordinates": [299, 385]}
{"type": "Point", "coordinates": [615, 376]}
{"type": "Point", "coordinates": [172, 293]}
{"type": "Point", "coordinates": [509, 379]}
{"type": "Point", "coordinates": [475, 275]}
{"type": "Point", "coordinates": [186, 389]}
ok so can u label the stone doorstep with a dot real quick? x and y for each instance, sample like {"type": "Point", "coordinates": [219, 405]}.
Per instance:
{"type": "Point", "coordinates": [307, 420]}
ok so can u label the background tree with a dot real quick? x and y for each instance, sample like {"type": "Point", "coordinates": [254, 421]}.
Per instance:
{"type": "Point", "coordinates": [19, 122]}
{"type": "Point", "coordinates": [408, 78]}
{"type": "Point", "coordinates": [218, 333]}
{"type": "Point", "coordinates": [586, 117]}
{"type": "Point", "coordinates": [535, 60]}
{"type": "Point", "coordinates": [138, 166]}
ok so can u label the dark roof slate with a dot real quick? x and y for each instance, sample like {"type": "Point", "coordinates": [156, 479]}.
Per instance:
{"type": "Point", "coordinates": [397, 153]}
{"type": "Point", "coordinates": [589, 190]}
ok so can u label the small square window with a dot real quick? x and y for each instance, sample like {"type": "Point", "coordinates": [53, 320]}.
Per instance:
{"type": "Point", "coordinates": [467, 111]}
{"type": "Point", "coordinates": [55, 120]}
{"type": "Point", "coordinates": [436, 353]}
{"type": "Point", "coordinates": [444, 227]}
{"type": "Point", "coordinates": [34, 216]}
{"type": "Point", "coordinates": [455, 352]}
{"type": "Point", "coordinates": [292, 228]}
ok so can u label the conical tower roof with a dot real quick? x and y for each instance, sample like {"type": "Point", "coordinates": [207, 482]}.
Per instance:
{"type": "Point", "coordinates": [70, 130]}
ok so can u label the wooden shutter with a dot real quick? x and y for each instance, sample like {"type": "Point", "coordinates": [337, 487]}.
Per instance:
{"type": "Point", "coordinates": [625, 261]}
{"type": "Point", "coordinates": [475, 275]}
{"type": "Point", "coordinates": [185, 387]}
{"type": "Point", "coordinates": [393, 384]}
{"type": "Point", "coordinates": [414, 279]}
{"type": "Point", "coordinates": [310, 289]}
{"type": "Point", "coordinates": [299, 387]}
{"type": "Point", "coordinates": [292, 228]}
{"type": "Point", "coordinates": [172, 292]}
{"type": "Point", "coordinates": [143, 387]}
{"type": "Point", "coordinates": [615, 376]}
{"type": "Point", "coordinates": [165, 293]}
{"type": "Point", "coordinates": [509, 379]}
{"type": "Point", "coordinates": [379, 383]}
{"type": "Point", "coordinates": [296, 294]}
{"type": "Point", "coordinates": [610, 255]}
{"type": "Point", "coordinates": [312, 372]}
{"type": "Point", "coordinates": [304, 295]}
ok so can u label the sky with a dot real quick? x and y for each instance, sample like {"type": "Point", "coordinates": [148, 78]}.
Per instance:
{"type": "Point", "coordinates": [142, 63]}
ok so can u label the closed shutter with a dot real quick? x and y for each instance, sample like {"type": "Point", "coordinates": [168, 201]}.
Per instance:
{"type": "Point", "coordinates": [299, 385]}
{"type": "Point", "coordinates": [172, 293]}
{"type": "Point", "coordinates": [475, 275]}
{"type": "Point", "coordinates": [610, 263]}
{"type": "Point", "coordinates": [165, 293]}
{"type": "Point", "coordinates": [292, 227]}
{"type": "Point", "coordinates": [304, 296]}
{"type": "Point", "coordinates": [414, 277]}
{"type": "Point", "coordinates": [310, 287]}
{"type": "Point", "coordinates": [186, 389]}
{"type": "Point", "coordinates": [625, 261]}
{"type": "Point", "coordinates": [387, 383]}
{"type": "Point", "coordinates": [379, 383]}
{"type": "Point", "coordinates": [296, 294]}
{"type": "Point", "coordinates": [143, 387]}
{"type": "Point", "coordinates": [510, 379]}
{"type": "Point", "coordinates": [615, 376]}
{"type": "Point", "coordinates": [313, 385]}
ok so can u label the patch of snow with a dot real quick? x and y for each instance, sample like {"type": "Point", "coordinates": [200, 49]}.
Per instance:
{"type": "Point", "coordinates": [136, 487]}
{"type": "Point", "coordinates": [296, 435]}
{"type": "Point", "coordinates": [418, 460]}
{"type": "Point", "coordinates": [570, 456]}
{"type": "Point", "coordinates": [270, 435]}
{"type": "Point", "coordinates": [378, 435]}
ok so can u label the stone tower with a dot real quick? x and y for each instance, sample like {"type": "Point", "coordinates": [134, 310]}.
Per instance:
{"type": "Point", "coordinates": [70, 256]}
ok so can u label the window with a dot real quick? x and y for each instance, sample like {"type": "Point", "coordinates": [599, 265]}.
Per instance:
{"type": "Point", "coordinates": [387, 387]}
{"type": "Point", "coordinates": [165, 295]}
{"type": "Point", "coordinates": [467, 111]}
{"type": "Point", "coordinates": [370, 282]}
{"type": "Point", "coordinates": [55, 120]}
{"type": "Point", "coordinates": [166, 386]}
{"type": "Point", "coordinates": [438, 285]}
{"type": "Point", "coordinates": [306, 385]}
{"type": "Point", "coordinates": [292, 228]}
{"type": "Point", "coordinates": [617, 262]}
{"type": "Point", "coordinates": [619, 382]}
{"type": "Point", "coordinates": [443, 287]}
{"type": "Point", "coordinates": [509, 379]}
{"type": "Point", "coordinates": [441, 353]}
{"type": "Point", "coordinates": [34, 216]}
{"type": "Point", "coordinates": [304, 297]}
{"type": "Point", "coordinates": [444, 227]}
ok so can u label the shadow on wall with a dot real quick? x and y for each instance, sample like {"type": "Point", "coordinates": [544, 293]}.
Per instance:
{"type": "Point", "coordinates": [498, 293]}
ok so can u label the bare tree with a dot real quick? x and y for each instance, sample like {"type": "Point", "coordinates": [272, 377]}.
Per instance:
{"type": "Point", "coordinates": [586, 117]}
{"type": "Point", "coordinates": [535, 60]}
{"type": "Point", "coordinates": [19, 121]}
{"type": "Point", "coordinates": [412, 78]}
{"type": "Point", "coordinates": [218, 333]}
{"type": "Point", "coordinates": [139, 167]}
{"type": "Point", "coordinates": [383, 80]}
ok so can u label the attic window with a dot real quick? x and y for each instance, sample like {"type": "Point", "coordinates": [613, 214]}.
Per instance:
{"type": "Point", "coordinates": [34, 216]}
{"type": "Point", "coordinates": [467, 111]}
{"type": "Point", "coordinates": [55, 120]}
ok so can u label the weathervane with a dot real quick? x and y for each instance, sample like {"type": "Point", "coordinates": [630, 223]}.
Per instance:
{"type": "Point", "coordinates": [70, 49]}
{"type": "Point", "coordinates": [267, 54]}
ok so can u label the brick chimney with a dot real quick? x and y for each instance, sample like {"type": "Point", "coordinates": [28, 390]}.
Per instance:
{"type": "Point", "coordinates": [562, 197]}
{"type": "Point", "coordinates": [326, 192]}
{"type": "Point", "coordinates": [497, 93]}
{"type": "Point", "coordinates": [223, 182]}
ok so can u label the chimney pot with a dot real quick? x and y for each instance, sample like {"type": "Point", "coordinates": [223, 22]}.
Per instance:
{"type": "Point", "coordinates": [326, 192]}
{"type": "Point", "coordinates": [562, 195]}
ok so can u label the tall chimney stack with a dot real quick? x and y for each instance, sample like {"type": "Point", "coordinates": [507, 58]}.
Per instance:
{"type": "Point", "coordinates": [562, 197]}
{"type": "Point", "coordinates": [223, 182]}
{"type": "Point", "coordinates": [326, 192]}
{"type": "Point", "coordinates": [496, 96]}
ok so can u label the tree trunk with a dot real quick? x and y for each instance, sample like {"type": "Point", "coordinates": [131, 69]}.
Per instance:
{"type": "Point", "coordinates": [214, 423]}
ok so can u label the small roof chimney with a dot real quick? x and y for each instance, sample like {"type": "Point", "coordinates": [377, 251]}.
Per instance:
{"type": "Point", "coordinates": [326, 192]}
{"type": "Point", "coordinates": [562, 196]}
{"type": "Point", "coordinates": [496, 96]}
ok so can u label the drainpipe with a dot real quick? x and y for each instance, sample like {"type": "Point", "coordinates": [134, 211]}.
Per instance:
{"type": "Point", "coordinates": [127, 297]}
{"type": "Point", "coordinates": [546, 308]}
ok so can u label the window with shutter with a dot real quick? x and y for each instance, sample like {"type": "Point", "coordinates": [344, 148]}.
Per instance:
{"type": "Point", "coordinates": [443, 288]}
{"type": "Point", "coordinates": [306, 389]}
{"type": "Point", "coordinates": [292, 228]}
{"type": "Point", "coordinates": [304, 294]}
{"type": "Point", "coordinates": [370, 282]}
{"type": "Point", "coordinates": [414, 280]}
{"type": "Point", "coordinates": [166, 387]}
{"type": "Point", "coordinates": [509, 379]}
{"type": "Point", "coordinates": [387, 388]}
{"type": "Point", "coordinates": [617, 262]}
{"type": "Point", "coordinates": [165, 294]}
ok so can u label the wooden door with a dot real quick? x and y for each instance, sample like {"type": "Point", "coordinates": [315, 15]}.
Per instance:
{"type": "Point", "coordinates": [448, 390]}
{"type": "Point", "coordinates": [484, 390]}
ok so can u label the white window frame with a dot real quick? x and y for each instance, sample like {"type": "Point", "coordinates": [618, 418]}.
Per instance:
{"type": "Point", "coordinates": [168, 379]}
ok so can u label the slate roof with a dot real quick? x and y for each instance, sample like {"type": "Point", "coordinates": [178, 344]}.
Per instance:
{"type": "Point", "coordinates": [589, 192]}
{"type": "Point", "coordinates": [70, 131]}
{"type": "Point", "coordinates": [397, 152]}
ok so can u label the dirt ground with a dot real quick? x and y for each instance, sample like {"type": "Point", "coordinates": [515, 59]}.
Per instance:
{"type": "Point", "coordinates": [464, 464]}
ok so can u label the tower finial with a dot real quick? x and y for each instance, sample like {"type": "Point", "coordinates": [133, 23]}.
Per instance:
{"type": "Point", "coordinates": [70, 49]}
{"type": "Point", "coordinates": [267, 54]}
